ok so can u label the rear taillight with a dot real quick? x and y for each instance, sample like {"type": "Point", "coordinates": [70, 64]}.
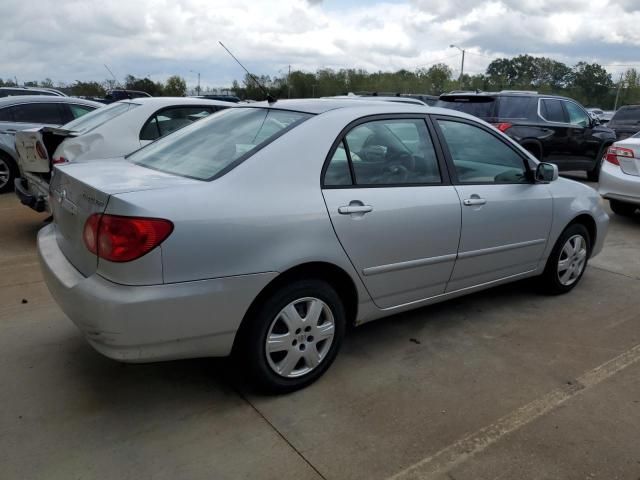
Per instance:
{"type": "Point", "coordinates": [122, 239]}
{"type": "Point", "coordinates": [614, 152]}
{"type": "Point", "coordinates": [59, 160]}
{"type": "Point", "coordinates": [42, 152]}
{"type": "Point", "coordinates": [503, 126]}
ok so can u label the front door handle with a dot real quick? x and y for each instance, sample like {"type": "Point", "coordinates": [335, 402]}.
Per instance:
{"type": "Point", "coordinates": [474, 200]}
{"type": "Point", "coordinates": [349, 209]}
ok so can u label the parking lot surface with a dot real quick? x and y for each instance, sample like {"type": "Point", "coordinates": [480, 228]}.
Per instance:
{"type": "Point", "coordinates": [506, 383]}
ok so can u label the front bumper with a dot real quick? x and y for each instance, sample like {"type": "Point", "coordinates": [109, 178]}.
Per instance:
{"type": "Point", "coordinates": [617, 185]}
{"type": "Point", "coordinates": [149, 323]}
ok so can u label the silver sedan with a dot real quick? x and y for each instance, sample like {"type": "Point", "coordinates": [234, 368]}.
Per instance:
{"type": "Point", "coordinates": [266, 229]}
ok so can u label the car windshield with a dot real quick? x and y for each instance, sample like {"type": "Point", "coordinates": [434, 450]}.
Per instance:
{"type": "Point", "coordinates": [631, 114]}
{"type": "Point", "coordinates": [99, 116]}
{"type": "Point", "coordinates": [210, 147]}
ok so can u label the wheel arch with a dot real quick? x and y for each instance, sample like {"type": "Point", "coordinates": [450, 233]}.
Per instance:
{"type": "Point", "coordinates": [329, 272]}
{"type": "Point", "coordinates": [589, 223]}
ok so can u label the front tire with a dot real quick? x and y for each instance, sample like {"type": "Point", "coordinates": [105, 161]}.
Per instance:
{"type": "Point", "coordinates": [293, 337]}
{"type": "Point", "coordinates": [622, 208]}
{"type": "Point", "coordinates": [568, 260]}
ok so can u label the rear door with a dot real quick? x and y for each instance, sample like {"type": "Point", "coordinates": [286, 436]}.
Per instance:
{"type": "Point", "coordinates": [506, 217]}
{"type": "Point", "coordinates": [393, 208]}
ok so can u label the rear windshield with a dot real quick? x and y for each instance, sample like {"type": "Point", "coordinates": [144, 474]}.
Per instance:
{"type": "Point", "coordinates": [210, 147]}
{"type": "Point", "coordinates": [485, 107]}
{"type": "Point", "coordinates": [482, 107]}
{"type": "Point", "coordinates": [99, 116]}
{"type": "Point", "coordinates": [627, 114]}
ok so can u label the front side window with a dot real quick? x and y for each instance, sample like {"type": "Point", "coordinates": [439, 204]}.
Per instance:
{"type": "Point", "coordinates": [98, 117]}
{"type": "Point", "coordinates": [552, 111]}
{"type": "Point", "coordinates": [577, 116]}
{"type": "Point", "coordinates": [47, 113]}
{"type": "Point", "coordinates": [207, 149]}
{"type": "Point", "coordinates": [6, 114]}
{"type": "Point", "coordinates": [480, 157]}
{"type": "Point", "coordinates": [388, 152]}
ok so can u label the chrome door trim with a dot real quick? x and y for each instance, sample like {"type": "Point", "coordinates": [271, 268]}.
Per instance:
{"type": "Point", "coordinates": [420, 262]}
{"type": "Point", "coordinates": [500, 248]}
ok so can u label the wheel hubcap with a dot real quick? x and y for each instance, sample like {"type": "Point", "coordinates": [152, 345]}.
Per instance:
{"type": "Point", "coordinates": [299, 337]}
{"type": "Point", "coordinates": [573, 259]}
{"type": "Point", "coordinates": [4, 173]}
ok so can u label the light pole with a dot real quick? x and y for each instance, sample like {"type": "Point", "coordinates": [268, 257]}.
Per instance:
{"type": "Point", "coordinates": [198, 87]}
{"type": "Point", "coordinates": [462, 66]}
{"type": "Point", "coordinates": [313, 90]}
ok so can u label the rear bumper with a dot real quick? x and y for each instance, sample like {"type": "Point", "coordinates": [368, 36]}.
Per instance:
{"type": "Point", "coordinates": [617, 185]}
{"type": "Point", "coordinates": [149, 323]}
{"type": "Point", "coordinates": [30, 195]}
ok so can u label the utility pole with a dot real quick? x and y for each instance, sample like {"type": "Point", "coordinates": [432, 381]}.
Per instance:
{"type": "Point", "coordinates": [289, 83]}
{"type": "Point", "coordinates": [461, 66]}
{"type": "Point", "coordinates": [198, 87]}
{"type": "Point", "coordinates": [313, 90]}
{"type": "Point", "coordinates": [615, 107]}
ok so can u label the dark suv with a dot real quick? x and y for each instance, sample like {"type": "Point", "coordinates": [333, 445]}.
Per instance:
{"type": "Point", "coordinates": [554, 129]}
{"type": "Point", "coordinates": [626, 121]}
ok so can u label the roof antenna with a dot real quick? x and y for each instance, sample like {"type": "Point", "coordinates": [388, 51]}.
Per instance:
{"type": "Point", "coordinates": [114, 77]}
{"type": "Point", "coordinates": [269, 97]}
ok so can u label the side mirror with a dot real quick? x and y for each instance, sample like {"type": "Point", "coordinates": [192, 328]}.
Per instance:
{"type": "Point", "coordinates": [546, 172]}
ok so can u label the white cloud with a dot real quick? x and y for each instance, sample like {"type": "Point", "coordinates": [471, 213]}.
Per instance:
{"type": "Point", "coordinates": [72, 39]}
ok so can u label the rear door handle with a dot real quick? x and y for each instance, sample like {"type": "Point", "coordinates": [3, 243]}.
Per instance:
{"type": "Point", "coordinates": [470, 202]}
{"type": "Point", "coordinates": [349, 209]}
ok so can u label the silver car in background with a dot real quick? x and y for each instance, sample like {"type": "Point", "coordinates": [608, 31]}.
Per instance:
{"type": "Point", "coordinates": [20, 112]}
{"type": "Point", "coordinates": [620, 176]}
{"type": "Point", "coordinates": [266, 229]}
{"type": "Point", "coordinates": [113, 131]}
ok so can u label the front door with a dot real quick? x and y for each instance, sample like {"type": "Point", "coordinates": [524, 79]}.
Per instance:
{"type": "Point", "coordinates": [506, 217]}
{"type": "Point", "coordinates": [393, 209]}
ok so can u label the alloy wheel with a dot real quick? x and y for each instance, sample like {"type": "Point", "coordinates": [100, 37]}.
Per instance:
{"type": "Point", "coordinates": [573, 258]}
{"type": "Point", "coordinates": [300, 337]}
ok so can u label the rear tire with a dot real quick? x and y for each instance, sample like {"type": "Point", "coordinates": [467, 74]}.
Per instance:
{"type": "Point", "coordinates": [292, 338]}
{"type": "Point", "coordinates": [622, 208]}
{"type": "Point", "coordinates": [568, 260]}
{"type": "Point", "coordinates": [8, 171]}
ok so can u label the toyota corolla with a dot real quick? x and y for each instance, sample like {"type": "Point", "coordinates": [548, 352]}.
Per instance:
{"type": "Point", "coordinates": [266, 229]}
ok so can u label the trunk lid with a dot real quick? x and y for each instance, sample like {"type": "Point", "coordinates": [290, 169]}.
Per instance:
{"type": "Point", "coordinates": [82, 189]}
{"type": "Point", "coordinates": [630, 165]}
{"type": "Point", "coordinates": [32, 159]}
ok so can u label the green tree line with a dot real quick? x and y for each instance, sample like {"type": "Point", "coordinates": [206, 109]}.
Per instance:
{"type": "Point", "coordinates": [589, 83]}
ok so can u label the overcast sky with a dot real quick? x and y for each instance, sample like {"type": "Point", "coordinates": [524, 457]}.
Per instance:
{"type": "Point", "coordinates": [69, 40]}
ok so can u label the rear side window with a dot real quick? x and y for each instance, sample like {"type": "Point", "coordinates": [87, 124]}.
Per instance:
{"type": "Point", "coordinates": [385, 152]}
{"type": "Point", "coordinates": [48, 113]}
{"type": "Point", "coordinates": [626, 114]}
{"type": "Point", "coordinates": [209, 148]}
{"type": "Point", "coordinates": [99, 116]}
{"type": "Point", "coordinates": [171, 119]}
{"type": "Point", "coordinates": [482, 107]}
{"type": "Point", "coordinates": [552, 111]}
{"type": "Point", "coordinates": [514, 107]}
{"type": "Point", "coordinates": [79, 110]}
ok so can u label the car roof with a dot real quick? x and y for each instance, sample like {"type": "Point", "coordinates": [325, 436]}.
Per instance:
{"type": "Point", "coordinates": [503, 93]}
{"type": "Point", "coordinates": [22, 99]}
{"type": "Point", "coordinates": [356, 108]}
{"type": "Point", "coordinates": [53, 91]}
{"type": "Point", "coordinates": [168, 101]}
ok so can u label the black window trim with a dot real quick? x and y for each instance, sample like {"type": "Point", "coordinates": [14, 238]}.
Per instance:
{"type": "Point", "coordinates": [171, 107]}
{"type": "Point", "coordinates": [444, 171]}
{"type": "Point", "coordinates": [449, 159]}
